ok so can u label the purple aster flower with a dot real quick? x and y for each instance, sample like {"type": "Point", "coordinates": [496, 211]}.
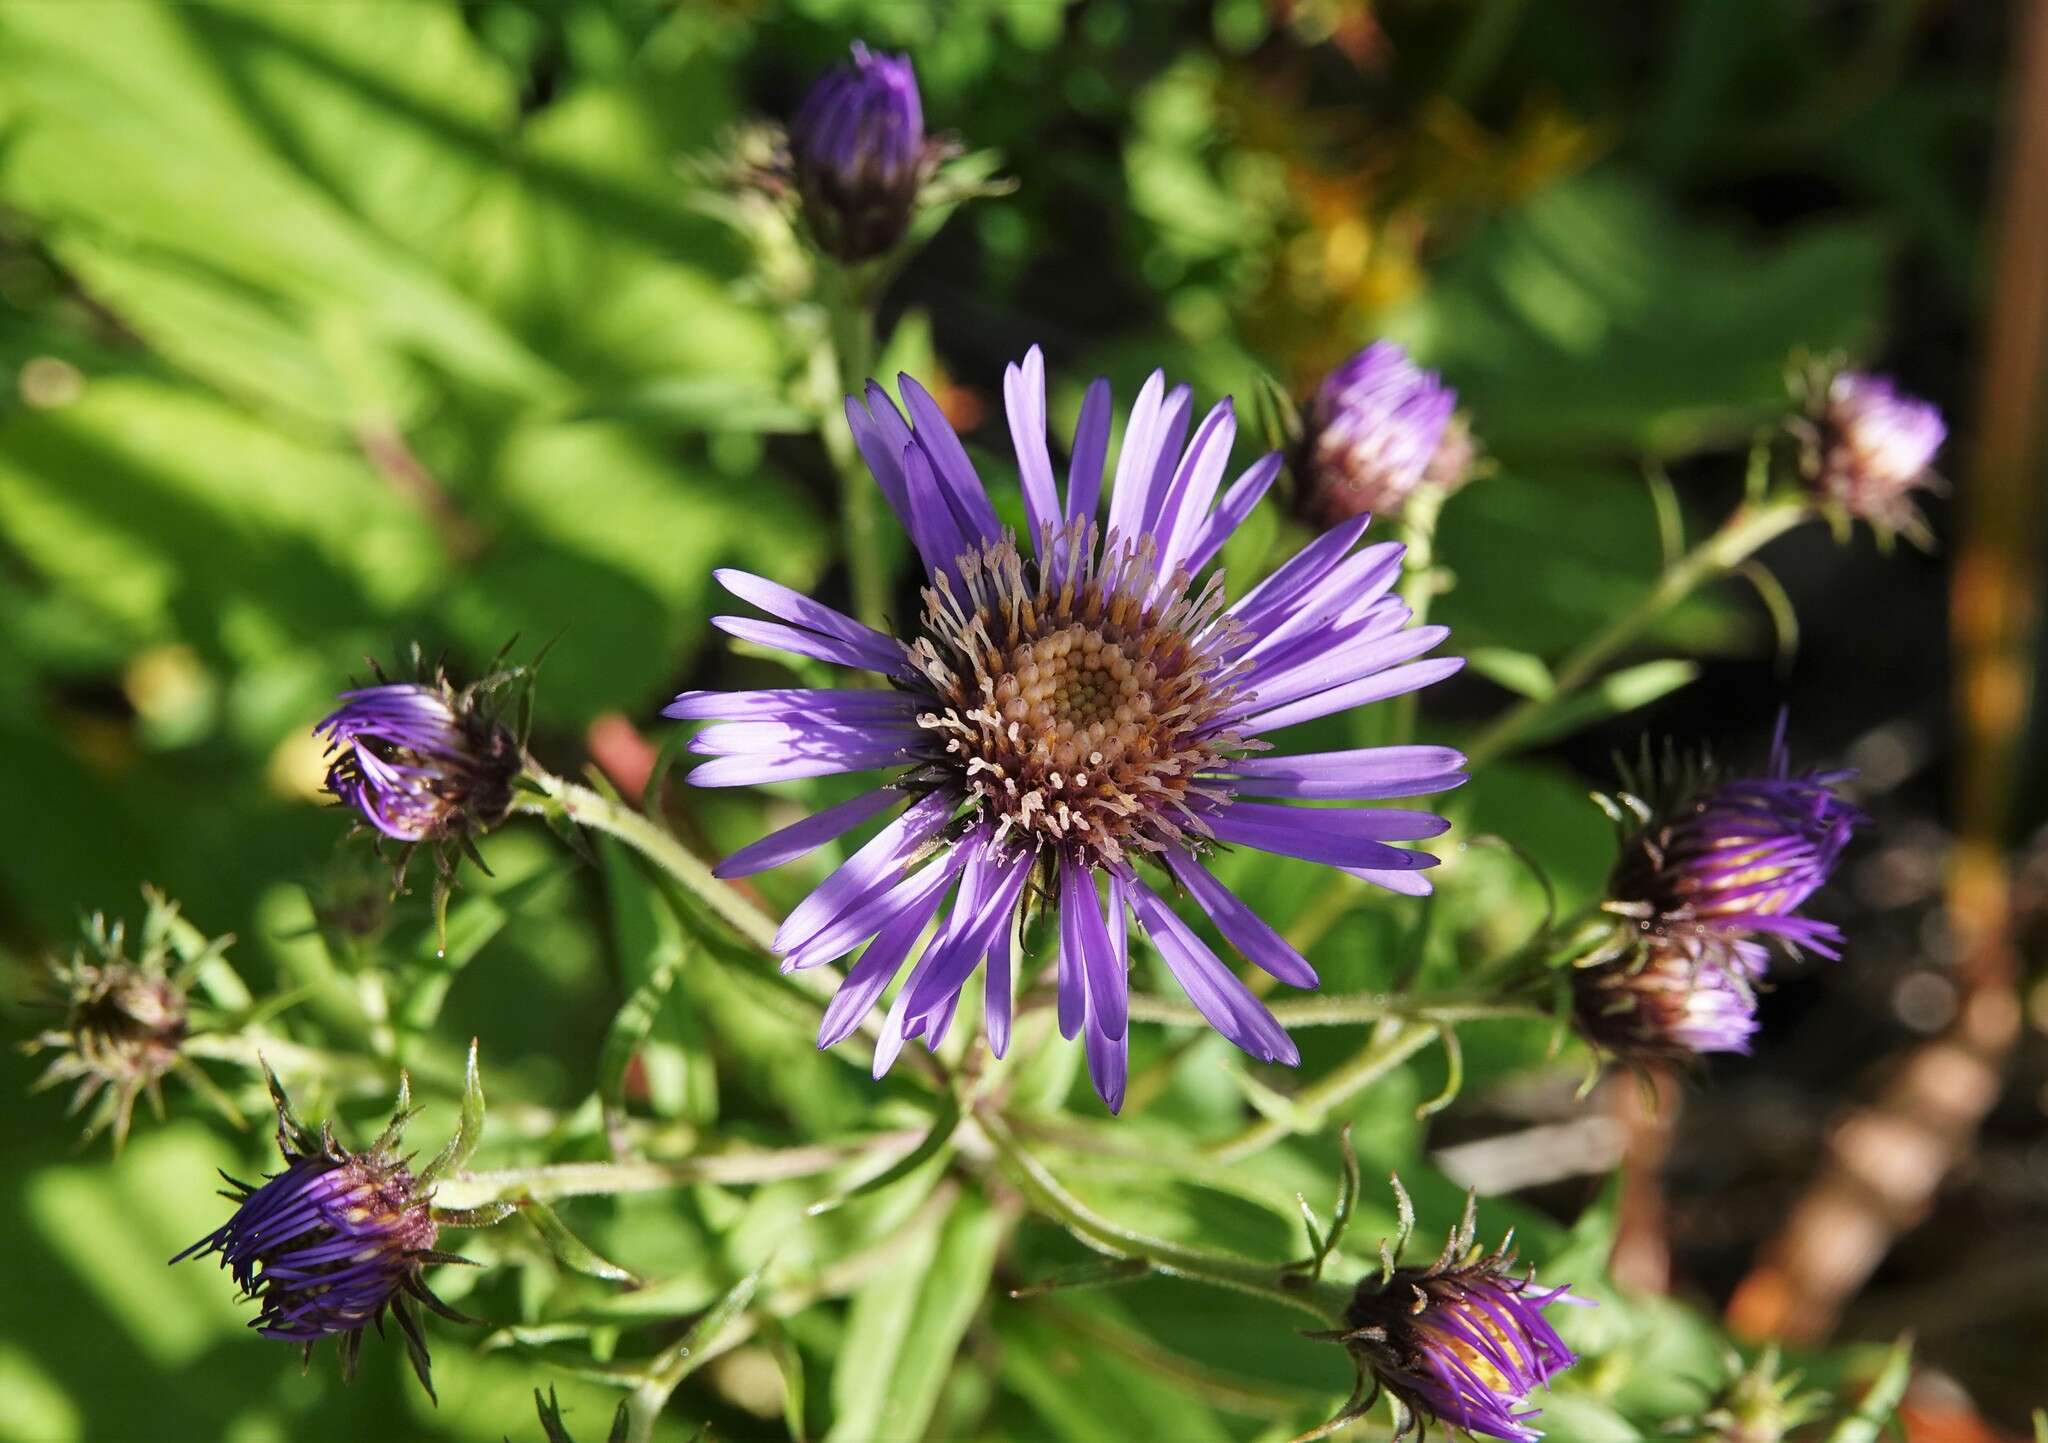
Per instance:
{"type": "Point", "coordinates": [1462, 1341]}
{"type": "Point", "coordinates": [1380, 427]}
{"type": "Point", "coordinates": [421, 761]}
{"type": "Point", "coordinates": [1070, 722]}
{"type": "Point", "coordinates": [859, 154]}
{"type": "Point", "coordinates": [1669, 1004]}
{"type": "Point", "coordinates": [1868, 448]}
{"type": "Point", "coordinates": [1733, 858]}
{"type": "Point", "coordinates": [330, 1244]}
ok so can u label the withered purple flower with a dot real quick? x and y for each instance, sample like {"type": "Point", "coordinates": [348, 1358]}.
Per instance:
{"type": "Point", "coordinates": [1059, 722]}
{"type": "Point", "coordinates": [335, 1241]}
{"type": "Point", "coordinates": [1462, 1341]}
{"type": "Point", "coordinates": [1662, 1003]}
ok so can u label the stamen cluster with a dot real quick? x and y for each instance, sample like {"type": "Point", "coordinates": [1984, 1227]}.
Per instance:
{"type": "Point", "coordinates": [1078, 701]}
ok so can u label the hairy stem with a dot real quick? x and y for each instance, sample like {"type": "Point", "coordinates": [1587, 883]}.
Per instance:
{"type": "Point", "coordinates": [1746, 530]}
{"type": "Point", "coordinates": [1375, 1060]}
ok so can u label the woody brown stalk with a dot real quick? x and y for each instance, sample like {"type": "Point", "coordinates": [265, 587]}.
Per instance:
{"type": "Point", "coordinates": [1885, 1161]}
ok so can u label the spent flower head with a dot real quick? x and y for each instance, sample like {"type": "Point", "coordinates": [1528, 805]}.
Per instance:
{"type": "Point", "coordinates": [1380, 428]}
{"type": "Point", "coordinates": [1866, 448]}
{"type": "Point", "coordinates": [336, 1240]}
{"type": "Point", "coordinates": [126, 1019]}
{"type": "Point", "coordinates": [1664, 1003]}
{"type": "Point", "coordinates": [859, 155]}
{"type": "Point", "coordinates": [1462, 1341]}
{"type": "Point", "coordinates": [1072, 713]}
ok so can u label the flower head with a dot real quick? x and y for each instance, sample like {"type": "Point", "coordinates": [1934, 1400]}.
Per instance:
{"type": "Point", "coordinates": [421, 761]}
{"type": "Point", "coordinates": [1665, 1003]}
{"type": "Point", "coordinates": [125, 1021]}
{"type": "Point", "coordinates": [1462, 1341]}
{"type": "Point", "coordinates": [1868, 448]}
{"type": "Point", "coordinates": [333, 1242]}
{"type": "Point", "coordinates": [1725, 858]}
{"type": "Point", "coordinates": [859, 154]}
{"type": "Point", "coordinates": [1073, 716]}
{"type": "Point", "coordinates": [1381, 427]}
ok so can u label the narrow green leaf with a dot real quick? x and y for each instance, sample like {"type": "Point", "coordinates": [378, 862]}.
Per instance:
{"type": "Point", "coordinates": [469, 1130]}
{"type": "Point", "coordinates": [1520, 672]}
{"type": "Point", "coordinates": [631, 1026]}
{"type": "Point", "coordinates": [1867, 1424]}
{"type": "Point", "coordinates": [569, 1250]}
{"type": "Point", "coordinates": [1614, 694]}
{"type": "Point", "coordinates": [905, 1327]}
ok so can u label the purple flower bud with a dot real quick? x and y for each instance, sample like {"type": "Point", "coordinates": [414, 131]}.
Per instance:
{"type": "Point", "coordinates": [1669, 1004]}
{"type": "Point", "coordinates": [1737, 858]}
{"type": "Point", "coordinates": [330, 1244]}
{"type": "Point", "coordinates": [420, 761]}
{"type": "Point", "coordinates": [1869, 447]}
{"type": "Point", "coordinates": [1462, 1342]}
{"type": "Point", "coordinates": [859, 154]}
{"type": "Point", "coordinates": [1380, 427]}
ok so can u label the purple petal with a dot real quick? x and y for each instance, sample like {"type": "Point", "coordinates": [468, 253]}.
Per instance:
{"type": "Point", "coordinates": [1298, 573]}
{"type": "Point", "coordinates": [1024, 405]}
{"type": "Point", "coordinates": [964, 491]}
{"type": "Point", "coordinates": [809, 643]}
{"type": "Point", "coordinates": [1338, 838]}
{"type": "Point", "coordinates": [1359, 775]}
{"type": "Point", "coordinates": [1216, 992]}
{"type": "Point", "coordinates": [995, 1006]}
{"type": "Point", "coordinates": [1134, 461]}
{"type": "Point", "coordinates": [786, 703]}
{"type": "Point", "coordinates": [1243, 928]}
{"type": "Point", "coordinates": [780, 601]}
{"type": "Point", "coordinates": [1393, 682]}
{"type": "Point", "coordinates": [1245, 493]}
{"type": "Point", "coordinates": [1084, 934]}
{"type": "Point", "coordinates": [1091, 452]}
{"type": "Point", "coordinates": [1187, 501]}
{"type": "Point", "coordinates": [869, 977]}
{"type": "Point", "coordinates": [800, 839]}
{"type": "Point", "coordinates": [867, 870]}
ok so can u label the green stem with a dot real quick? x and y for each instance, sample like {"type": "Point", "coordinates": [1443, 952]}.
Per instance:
{"type": "Point", "coordinates": [1747, 528]}
{"type": "Point", "coordinates": [1318, 1300]}
{"type": "Point", "coordinates": [851, 339]}
{"type": "Point", "coordinates": [1379, 1057]}
{"type": "Point", "coordinates": [549, 1181]}
{"type": "Point", "coordinates": [1420, 581]}
{"type": "Point", "coordinates": [1342, 1009]}
{"type": "Point", "coordinates": [581, 804]}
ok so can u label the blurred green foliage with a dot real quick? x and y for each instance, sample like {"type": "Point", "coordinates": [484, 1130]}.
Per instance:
{"type": "Point", "coordinates": [329, 327]}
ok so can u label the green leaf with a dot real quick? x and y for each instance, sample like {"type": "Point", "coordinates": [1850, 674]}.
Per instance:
{"type": "Point", "coordinates": [1874, 1414]}
{"type": "Point", "coordinates": [650, 945]}
{"type": "Point", "coordinates": [1614, 694]}
{"type": "Point", "coordinates": [905, 1326]}
{"type": "Point", "coordinates": [469, 1130]}
{"type": "Point", "coordinates": [569, 1250]}
{"type": "Point", "coordinates": [1583, 1419]}
{"type": "Point", "coordinates": [1521, 672]}
{"type": "Point", "coordinates": [701, 403]}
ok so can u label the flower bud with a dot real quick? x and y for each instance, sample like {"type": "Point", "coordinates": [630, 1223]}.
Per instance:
{"type": "Point", "coordinates": [329, 1245]}
{"type": "Point", "coordinates": [1462, 1342]}
{"type": "Point", "coordinates": [1380, 428]}
{"type": "Point", "coordinates": [417, 763]}
{"type": "Point", "coordinates": [1867, 448]}
{"type": "Point", "coordinates": [1667, 1003]}
{"type": "Point", "coordinates": [859, 155]}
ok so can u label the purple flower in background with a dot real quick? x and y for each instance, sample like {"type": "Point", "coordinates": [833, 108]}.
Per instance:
{"type": "Point", "coordinates": [1462, 1341]}
{"type": "Point", "coordinates": [1669, 1004]}
{"type": "Point", "coordinates": [1380, 427]}
{"type": "Point", "coordinates": [421, 761]}
{"type": "Point", "coordinates": [1736, 858]}
{"type": "Point", "coordinates": [1075, 718]}
{"type": "Point", "coordinates": [859, 154]}
{"type": "Point", "coordinates": [330, 1244]}
{"type": "Point", "coordinates": [1869, 448]}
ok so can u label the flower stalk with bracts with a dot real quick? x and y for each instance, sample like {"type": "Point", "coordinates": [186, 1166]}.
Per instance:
{"type": "Point", "coordinates": [1078, 719]}
{"type": "Point", "coordinates": [1712, 870]}
{"type": "Point", "coordinates": [340, 1238]}
{"type": "Point", "coordinates": [1462, 1342]}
